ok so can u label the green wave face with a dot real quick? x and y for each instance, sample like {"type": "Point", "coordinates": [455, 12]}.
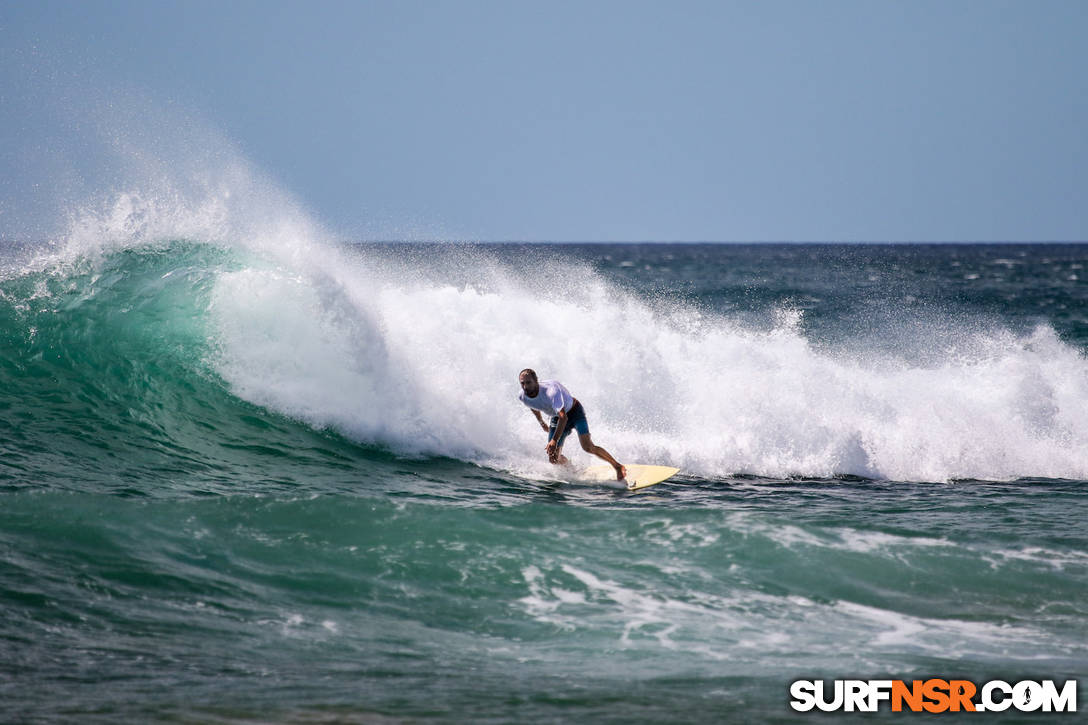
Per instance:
{"type": "Point", "coordinates": [108, 381]}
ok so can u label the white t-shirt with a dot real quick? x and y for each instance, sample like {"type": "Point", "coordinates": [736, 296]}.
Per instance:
{"type": "Point", "coordinates": [550, 399]}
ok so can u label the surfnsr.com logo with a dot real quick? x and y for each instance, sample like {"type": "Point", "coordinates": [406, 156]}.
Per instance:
{"type": "Point", "coordinates": [933, 695]}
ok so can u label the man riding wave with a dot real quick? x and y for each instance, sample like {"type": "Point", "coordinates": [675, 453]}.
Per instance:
{"type": "Point", "coordinates": [550, 397]}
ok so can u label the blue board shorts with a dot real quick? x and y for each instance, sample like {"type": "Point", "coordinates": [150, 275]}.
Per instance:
{"type": "Point", "coordinates": [576, 420]}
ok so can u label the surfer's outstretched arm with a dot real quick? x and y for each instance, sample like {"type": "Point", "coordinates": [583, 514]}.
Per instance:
{"type": "Point", "coordinates": [540, 419]}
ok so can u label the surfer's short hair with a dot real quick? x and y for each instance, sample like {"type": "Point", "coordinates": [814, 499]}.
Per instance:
{"type": "Point", "coordinates": [532, 373]}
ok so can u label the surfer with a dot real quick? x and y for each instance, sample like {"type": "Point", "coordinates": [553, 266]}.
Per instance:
{"type": "Point", "coordinates": [551, 397]}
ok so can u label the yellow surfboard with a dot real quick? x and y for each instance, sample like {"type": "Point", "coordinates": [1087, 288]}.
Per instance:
{"type": "Point", "coordinates": [638, 475]}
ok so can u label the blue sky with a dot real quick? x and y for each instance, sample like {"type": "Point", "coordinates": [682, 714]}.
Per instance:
{"type": "Point", "coordinates": [711, 121]}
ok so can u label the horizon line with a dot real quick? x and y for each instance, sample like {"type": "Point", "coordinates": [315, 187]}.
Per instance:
{"type": "Point", "coordinates": [708, 242]}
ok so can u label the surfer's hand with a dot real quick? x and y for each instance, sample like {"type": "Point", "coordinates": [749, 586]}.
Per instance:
{"type": "Point", "coordinates": [552, 453]}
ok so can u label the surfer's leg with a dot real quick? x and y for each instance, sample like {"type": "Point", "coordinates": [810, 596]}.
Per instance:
{"type": "Point", "coordinates": [589, 447]}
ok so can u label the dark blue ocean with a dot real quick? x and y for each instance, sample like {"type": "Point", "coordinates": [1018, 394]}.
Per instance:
{"type": "Point", "coordinates": [276, 479]}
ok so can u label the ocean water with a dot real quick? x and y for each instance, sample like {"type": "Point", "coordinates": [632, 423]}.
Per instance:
{"type": "Point", "coordinates": [259, 477]}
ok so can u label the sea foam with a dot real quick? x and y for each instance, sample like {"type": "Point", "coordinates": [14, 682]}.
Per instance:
{"type": "Point", "coordinates": [418, 349]}
{"type": "Point", "coordinates": [397, 354]}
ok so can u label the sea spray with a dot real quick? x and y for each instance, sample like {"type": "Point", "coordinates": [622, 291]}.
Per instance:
{"type": "Point", "coordinates": [416, 348]}
{"type": "Point", "coordinates": [425, 366]}
{"type": "Point", "coordinates": [419, 353]}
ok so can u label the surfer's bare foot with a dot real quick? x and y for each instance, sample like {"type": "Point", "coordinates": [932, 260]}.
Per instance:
{"type": "Point", "coordinates": [621, 472]}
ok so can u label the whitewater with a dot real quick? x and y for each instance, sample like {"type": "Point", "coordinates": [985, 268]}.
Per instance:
{"type": "Point", "coordinates": [419, 362]}
{"type": "Point", "coordinates": [414, 349]}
